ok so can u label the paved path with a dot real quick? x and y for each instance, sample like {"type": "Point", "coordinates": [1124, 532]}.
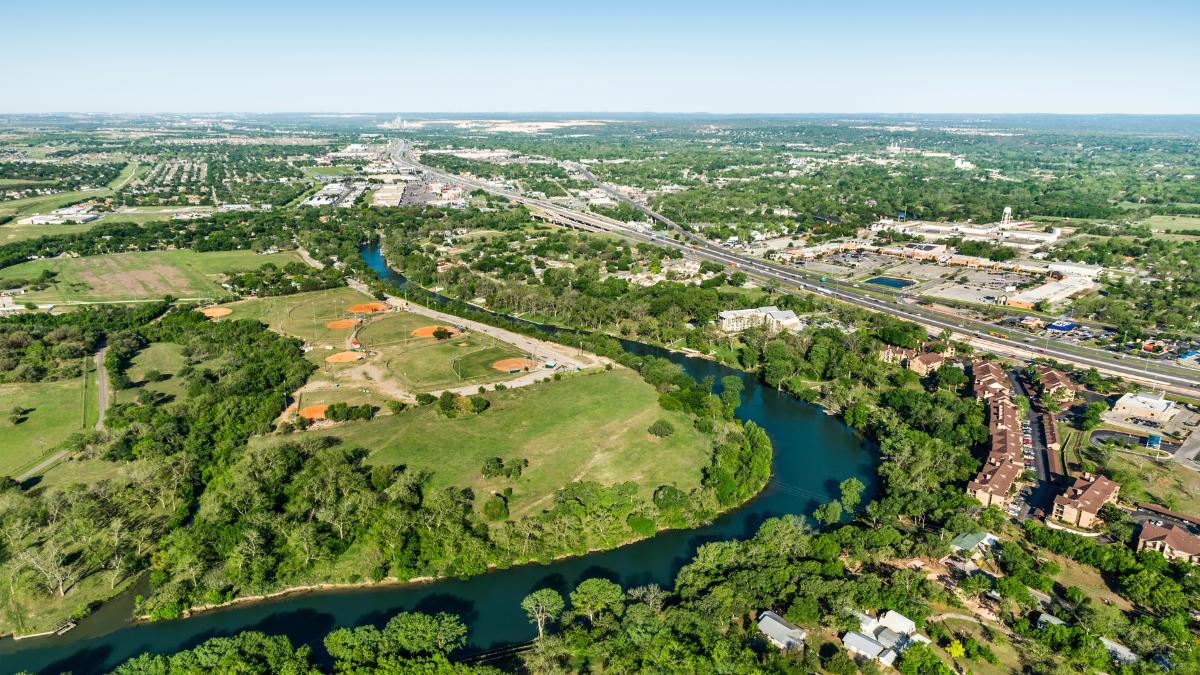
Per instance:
{"type": "Point", "coordinates": [101, 388]}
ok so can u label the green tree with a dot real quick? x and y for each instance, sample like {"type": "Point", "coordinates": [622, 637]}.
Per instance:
{"type": "Point", "coordinates": [543, 607]}
{"type": "Point", "coordinates": [852, 489]}
{"type": "Point", "coordinates": [595, 597]}
{"type": "Point", "coordinates": [829, 513]}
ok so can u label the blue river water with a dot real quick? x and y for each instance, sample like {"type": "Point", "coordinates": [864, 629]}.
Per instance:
{"type": "Point", "coordinates": [813, 453]}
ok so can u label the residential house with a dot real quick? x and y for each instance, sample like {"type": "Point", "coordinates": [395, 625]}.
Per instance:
{"type": "Point", "coordinates": [973, 544]}
{"type": "Point", "coordinates": [882, 639]}
{"type": "Point", "coordinates": [780, 632]}
{"type": "Point", "coordinates": [1172, 541]}
{"type": "Point", "coordinates": [1081, 502]}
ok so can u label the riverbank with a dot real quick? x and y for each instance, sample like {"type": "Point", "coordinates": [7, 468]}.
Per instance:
{"type": "Point", "coordinates": [394, 582]}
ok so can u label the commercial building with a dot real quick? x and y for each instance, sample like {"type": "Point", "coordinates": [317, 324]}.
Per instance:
{"type": "Point", "coordinates": [1172, 541]}
{"type": "Point", "coordinates": [780, 632]}
{"type": "Point", "coordinates": [1052, 292]}
{"type": "Point", "coordinates": [1145, 405]}
{"type": "Point", "coordinates": [770, 318]}
{"type": "Point", "coordinates": [1076, 269]}
{"type": "Point", "coordinates": [1080, 504]}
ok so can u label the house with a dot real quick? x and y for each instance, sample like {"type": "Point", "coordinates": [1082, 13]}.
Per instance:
{"type": "Point", "coordinates": [882, 639]}
{"type": "Point", "coordinates": [1118, 652]}
{"type": "Point", "coordinates": [1081, 502]}
{"type": "Point", "coordinates": [780, 632]}
{"type": "Point", "coordinates": [1045, 619]}
{"type": "Point", "coordinates": [1172, 541]}
{"type": "Point", "coordinates": [943, 347]}
{"type": "Point", "coordinates": [1146, 406]}
{"type": "Point", "coordinates": [973, 544]}
{"type": "Point", "coordinates": [926, 363]}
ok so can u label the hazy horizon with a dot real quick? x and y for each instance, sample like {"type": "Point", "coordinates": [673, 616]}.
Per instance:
{"type": "Point", "coordinates": [624, 57]}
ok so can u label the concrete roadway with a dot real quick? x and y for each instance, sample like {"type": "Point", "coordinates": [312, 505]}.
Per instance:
{"type": "Point", "coordinates": [1171, 378]}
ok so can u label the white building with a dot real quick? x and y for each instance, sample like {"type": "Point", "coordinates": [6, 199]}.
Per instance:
{"type": "Point", "coordinates": [1076, 269]}
{"type": "Point", "coordinates": [1052, 292]}
{"type": "Point", "coordinates": [1145, 405]}
{"type": "Point", "coordinates": [882, 639]}
{"type": "Point", "coordinates": [771, 318]}
{"type": "Point", "coordinates": [780, 632]}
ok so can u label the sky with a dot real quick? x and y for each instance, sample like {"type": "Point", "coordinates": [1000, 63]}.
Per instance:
{"type": "Point", "coordinates": [734, 56]}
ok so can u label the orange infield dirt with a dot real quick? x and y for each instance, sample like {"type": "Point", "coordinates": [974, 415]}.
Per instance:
{"type": "Point", "coordinates": [509, 365]}
{"type": "Point", "coordinates": [369, 307]}
{"type": "Point", "coordinates": [313, 412]}
{"type": "Point", "coordinates": [427, 331]}
{"type": "Point", "coordinates": [342, 323]}
{"type": "Point", "coordinates": [345, 357]}
{"type": "Point", "coordinates": [216, 312]}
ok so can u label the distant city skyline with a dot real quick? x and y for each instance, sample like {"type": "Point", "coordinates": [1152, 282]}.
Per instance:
{"type": "Point", "coordinates": [620, 57]}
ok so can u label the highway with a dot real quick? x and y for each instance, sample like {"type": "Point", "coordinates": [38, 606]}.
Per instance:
{"type": "Point", "coordinates": [1001, 340]}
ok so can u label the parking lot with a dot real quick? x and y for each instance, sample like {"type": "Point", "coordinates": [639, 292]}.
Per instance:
{"type": "Point", "coordinates": [978, 286]}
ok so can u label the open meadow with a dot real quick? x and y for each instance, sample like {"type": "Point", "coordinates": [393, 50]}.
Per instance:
{"type": "Point", "coordinates": [55, 410]}
{"type": "Point", "coordinates": [145, 275]}
{"type": "Point", "coordinates": [590, 426]}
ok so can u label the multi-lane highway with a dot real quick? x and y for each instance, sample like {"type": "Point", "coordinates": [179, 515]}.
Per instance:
{"type": "Point", "coordinates": [998, 339]}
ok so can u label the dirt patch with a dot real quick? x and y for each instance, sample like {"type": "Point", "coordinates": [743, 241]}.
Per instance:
{"type": "Point", "coordinates": [509, 365]}
{"type": "Point", "coordinates": [313, 412]}
{"type": "Point", "coordinates": [216, 312]}
{"type": "Point", "coordinates": [427, 331]}
{"type": "Point", "coordinates": [343, 323]}
{"type": "Point", "coordinates": [369, 307]}
{"type": "Point", "coordinates": [345, 357]}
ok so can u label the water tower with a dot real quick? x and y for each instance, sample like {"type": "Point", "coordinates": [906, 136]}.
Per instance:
{"type": "Point", "coordinates": [1007, 217]}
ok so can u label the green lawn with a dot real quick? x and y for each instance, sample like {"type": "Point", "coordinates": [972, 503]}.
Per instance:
{"type": "Point", "coordinates": [167, 359]}
{"type": "Point", "coordinates": [304, 315]}
{"type": "Point", "coordinates": [428, 364]}
{"type": "Point", "coordinates": [1170, 223]}
{"type": "Point", "coordinates": [590, 426]}
{"type": "Point", "coordinates": [139, 276]}
{"type": "Point", "coordinates": [57, 412]}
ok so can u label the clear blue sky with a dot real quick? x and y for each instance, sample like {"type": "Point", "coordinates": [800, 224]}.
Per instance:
{"type": "Point", "coordinates": [603, 55]}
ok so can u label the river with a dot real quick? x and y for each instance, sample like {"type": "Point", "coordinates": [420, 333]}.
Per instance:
{"type": "Point", "coordinates": [813, 453]}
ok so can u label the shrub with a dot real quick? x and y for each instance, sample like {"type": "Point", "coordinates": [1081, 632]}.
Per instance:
{"type": "Point", "coordinates": [641, 525]}
{"type": "Point", "coordinates": [425, 399]}
{"type": "Point", "coordinates": [661, 428]}
{"type": "Point", "coordinates": [495, 508]}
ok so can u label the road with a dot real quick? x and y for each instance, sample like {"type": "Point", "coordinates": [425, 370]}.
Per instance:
{"type": "Point", "coordinates": [1171, 378]}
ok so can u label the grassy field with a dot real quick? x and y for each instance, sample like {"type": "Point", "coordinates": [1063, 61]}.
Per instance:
{"type": "Point", "coordinates": [1001, 646]}
{"type": "Point", "coordinates": [303, 315]}
{"type": "Point", "coordinates": [1169, 223]}
{"type": "Point", "coordinates": [58, 410]}
{"type": "Point", "coordinates": [167, 359]}
{"type": "Point", "coordinates": [585, 427]}
{"type": "Point", "coordinates": [1165, 483]}
{"type": "Point", "coordinates": [139, 276]}
{"type": "Point", "coordinates": [428, 364]}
